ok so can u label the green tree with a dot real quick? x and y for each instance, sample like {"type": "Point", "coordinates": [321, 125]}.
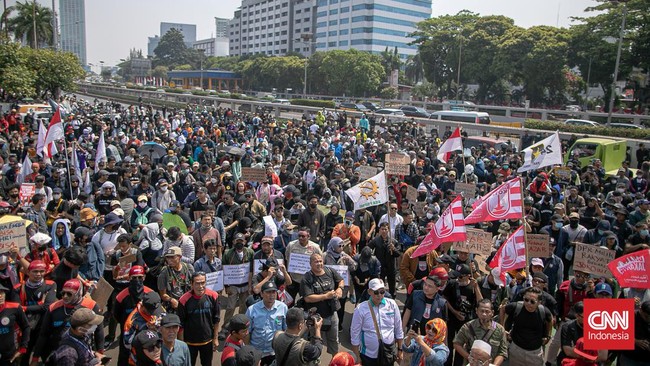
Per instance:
{"type": "Point", "coordinates": [414, 71]}
{"type": "Point", "coordinates": [424, 90]}
{"type": "Point", "coordinates": [352, 72]}
{"type": "Point", "coordinates": [171, 50]}
{"type": "Point", "coordinates": [56, 71]}
{"type": "Point", "coordinates": [390, 60]}
{"type": "Point", "coordinates": [388, 92]}
{"type": "Point", "coordinates": [160, 72]}
{"type": "Point", "coordinates": [22, 24]}
{"type": "Point", "coordinates": [16, 77]}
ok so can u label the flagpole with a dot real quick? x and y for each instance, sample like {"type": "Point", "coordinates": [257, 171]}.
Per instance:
{"type": "Point", "coordinates": [67, 162]}
{"type": "Point", "coordinates": [462, 153]}
{"type": "Point", "coordinates": [523, 218]}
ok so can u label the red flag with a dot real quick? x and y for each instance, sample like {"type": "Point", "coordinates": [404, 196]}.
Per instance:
{"type": "Point", "coordinates": [512, 253]}
{"type": "Point", "coordinates": [55, 131]}
{"type": "Point", "coordinates": [453, 143]}
{"type": "Point", "coordinates": [504, 202]}
{"type": "Point", "coordinates": [449, 227]}
{"type": "Point", "coordinates": [632, 270]}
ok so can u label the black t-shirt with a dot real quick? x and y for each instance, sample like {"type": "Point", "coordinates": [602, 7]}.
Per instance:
{"type": "Point", "coordinates": [570, 333]}
{"type": "Point", "coordinates": [456, 294]}
{"type": "Point", "coordinates": [527, 328]}
{"type": "Point", "coordinates": [312, 284]}
{"type": "Point", "coordinates": [423, 321]}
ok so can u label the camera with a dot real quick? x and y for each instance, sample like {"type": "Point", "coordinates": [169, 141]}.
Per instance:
{"type": "Point", "coordinates": [312, 317]}
{"type": "Point", "coordinates": [416, 326]}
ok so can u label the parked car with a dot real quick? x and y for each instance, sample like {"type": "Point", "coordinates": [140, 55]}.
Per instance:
{"type": "Point", "coordinates": [625, 125]}
{"type": "Point", "coordinates": [390, 112]}
{"type": "Point", "coordinates": [371, 106]}
{"type": "Point", "coordinates": [581, 122]}
{"type": "Point", "coordinates": [412, 111]}
{"type": "Point", "coordinates": [353, 107]}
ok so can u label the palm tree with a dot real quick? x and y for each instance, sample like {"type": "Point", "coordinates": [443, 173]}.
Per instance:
{"type": "Point", "coordinates": [32, 16]}
{"type": "Point", "coordinates": [414, 70]}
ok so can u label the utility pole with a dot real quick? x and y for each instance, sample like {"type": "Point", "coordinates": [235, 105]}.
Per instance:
{"type": "Point", "coordinates": [616, 65]}
{"type": "Point", "coordinates": [55, 28]}
{"type": "Point", "coordinates": [34, 23]}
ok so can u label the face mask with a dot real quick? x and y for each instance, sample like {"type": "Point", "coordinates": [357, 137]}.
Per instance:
{"type": "Point", "coordinates": [213, 180]}
{"type": "Point", "coordinates": [621, 190]}
{"type": "Point", "coordinates": [136, 288]}
{"type": "Point", "coordinates": [14, 195]}
{"type": "Point", "coordinates": [42, 248]}
{"type": "Point", "coordinates": [56, 196]}
{"type": "Point", "coordinates": [558, 225]}
{"type": "Point", "coordinates": [142, 204]}
{"type": "Point", "coordinates": [573, 224]}
{"type": "Point", "coordinates": [91, 330]}
{"type": "Point", "coordinates": [643, 233]}
{"type": "Point", "coordinates": [163, 189]}
{"type": "Point", "coordinates": [348, 223]}
{"type": "Point", "coordinates": [464, 282]}
{"type": "Point", "coordinates": [239, 246]}
{"type": "Point", "coordinates": [429, 215]}
{"type": "Point", "coordinates": [313, 205]}
{"type": "Point", "coordinates": [601, 232]}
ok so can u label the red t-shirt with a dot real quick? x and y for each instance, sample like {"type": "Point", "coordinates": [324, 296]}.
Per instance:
{"type": "Point", "coordinates": [229, 350]}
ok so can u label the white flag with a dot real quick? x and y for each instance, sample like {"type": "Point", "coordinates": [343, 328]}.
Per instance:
{"type": "Point", "coordinates": [541, 154]}
{"type": "Point", "coordinates": [25, 170]}
{"type": "Point", "coordinates": [43, 150]}
{"type": "Point", "coordinates": [371, 192]}
{"type": "Point", "coordinates": [101, 151]}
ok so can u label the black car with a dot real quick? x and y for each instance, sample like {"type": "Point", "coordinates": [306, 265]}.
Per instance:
{"type": "Point", "coordinates": [411, 111]}
{"type": "Point", "coordinates": [371, 106]}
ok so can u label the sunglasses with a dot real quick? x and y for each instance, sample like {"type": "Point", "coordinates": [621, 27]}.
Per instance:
{"type": "Point", "coordinates": [379, 292]}
{"type": "Point", "coordinates": [530, 301]}
{"type": "Point", "coordinates": [153, 347]}
{"type": "Point", "coordinates": [582, 276]}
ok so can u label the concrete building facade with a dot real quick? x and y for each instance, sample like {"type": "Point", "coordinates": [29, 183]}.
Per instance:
{"type": "Point", "coordinates": [72, 15]}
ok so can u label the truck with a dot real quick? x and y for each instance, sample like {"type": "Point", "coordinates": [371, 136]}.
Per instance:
{"type": "Point", "coordinates": [610, 152]}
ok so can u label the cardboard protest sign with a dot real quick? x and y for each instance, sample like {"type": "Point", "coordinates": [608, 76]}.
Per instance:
{"type": "Point", "coordinates": [397, 169]}
{"type": "Point", "coordinates": [537, 246]}
{"type": "Point", "coordinates": [102, 293]}
{"type": "Point", "coordinates": [478, 242]}
{"type": "Point", "coordinates": [254, 175]}
{"type": "Point", "coordinates": [411, 194]}
{"type": "Point", "coordinates": [468, 190]}
{"type": "Point", "coordinates": [398, 164]}
{"type": "Point", "coordinates": [593, 259]}
{"type": "Point", "coordinates": [27, 191]}
{"type": "Point", "coordinates": [12, 232]}
{"type": "Point", "coordinates": [398, 158]}
{"type": "Point", "coordinates": [366, 172]}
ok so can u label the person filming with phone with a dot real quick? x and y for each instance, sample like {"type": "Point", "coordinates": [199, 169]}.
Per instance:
{"type": "Point", "coordinates": [291, 348]}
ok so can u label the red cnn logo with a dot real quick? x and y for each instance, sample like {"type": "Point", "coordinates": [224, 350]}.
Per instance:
{"type": "Point", "coordinates": [609, 324]}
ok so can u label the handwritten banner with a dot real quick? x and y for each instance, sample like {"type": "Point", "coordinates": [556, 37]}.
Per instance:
{"type": "Point", "coordinates": [366, 172]}
{"type": "Point", "coordinates": [236, 274]}
{"type": "Point", "coordinates": [537, 245]}
{"type": "Point", "coordinates": [593, 259]}
{"type": "Point", "coordinates": [342, 270]}
{"type": "Point", "coordinates": [299, 263]}
{"type": "Point", "coordinates": [468, 190]}
{"type": "Point", "coordinates": [478, 242]}
{"type": "Point", "coordinates": [13, 233]}
{"type": "Point", "coordinates": [214, 280]}
{"type": "Point", "coordinates": [397, 169]}
{"type": "Point", "coordinates": [399, 159]}
{"type": "Point", "coordinates": [27, 191]}
{"type": "Point", "coordinates": [270, 228]}
{"type": "Point", "coordinates": [254, 175]}
{"type": "Point", "coordinates": [102, 293]}
{"type": "Point", "coordinates": [562, 173]}
{"type": "Point", "coordinates": [257, 264]}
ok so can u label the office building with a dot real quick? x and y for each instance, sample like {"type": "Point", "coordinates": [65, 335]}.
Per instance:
{"type": "Point", "coordinates": [222, 26]}
{"type": "Point", "coordinates": [369, 25]}
{"type": "Point", "coordinates": [216, 46]}
{"type": "Point", "coordinates": [188, 31]}
{"type": "Point", "coordinates": [152, 44]}
{"type": "Point", "coordinates": [72, 15]}
{"type": "Point", "coordinates": [271, 27]}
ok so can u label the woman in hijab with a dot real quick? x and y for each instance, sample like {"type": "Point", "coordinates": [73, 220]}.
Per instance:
{"type": "Point", "coordinates": [429, 349]}
{"type": "Point", "coordinates": [61, 237]}
{"type": "Point", "coordinates": [149, 244]}
{"type": "Point", "coordinates": [336, 256]}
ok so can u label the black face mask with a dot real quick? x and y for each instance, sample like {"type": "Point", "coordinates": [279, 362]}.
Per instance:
{"type": "Point", "coordinates": [573, 224]}
{"type": "Point", "coordinates": [313, 205]}
{"type": "Point", "coordinates": [14, 195]}
{"type": "Point", "coordinates": [42, 248]}
{"type": "Point", "coordinates": [239, 246]}
{"type": "Point", "coordinates": [136, 288]}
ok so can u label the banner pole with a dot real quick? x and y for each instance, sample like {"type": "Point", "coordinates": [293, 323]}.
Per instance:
{"type": "Point", "coordinates": [524, 223]}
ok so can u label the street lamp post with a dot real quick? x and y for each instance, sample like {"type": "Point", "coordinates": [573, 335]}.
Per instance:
{"type": "Point", "coordinates": [306, 39]}
{"type": "Point", "coordinates": [616, 65]}
{"type": "Point", "coordinates": [201, 53]}
{"type": "Point", "coordinates": [460, 55]}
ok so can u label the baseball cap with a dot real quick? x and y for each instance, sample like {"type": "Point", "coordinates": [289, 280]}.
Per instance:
{"type": "Point", "coordinates": [603, 288]}
{"type": "Point", "coordinates": [151, 302]}
{"type": "Point", "coordinates": [559, 206]}
{"type": "Point", "coordinates": [238, 322]}
{"type": "Point", "coordinates": [85, 316]}
{"type": "Point", "coordinates": [170, 320]}
{"type": "Point", "coordinates": [239, 236]}
{"type": "Point", "coordinates": [445, 258]}
{"type": "Point", "coordinates": [376, 284]}
{"type": "Point", "coordinates": [269, 286]}
{"type": "Point", "coordinates": [174, 204]}
{"type": "Point", "coordinates": [173, 251]}
{"type": "Point", "coordinates": [146, 339]}
{"type": "Point", "coordinates": [439, 272]}
{"type": "Point", "coordinates": [574, 215]}
{"type": "Point", "coordinates": [580, 350]}
{"type": "Point", "coordinates": [541, 276]}
{"type": "Point", "coordinates": [462, 270]}
{"type": "Point", "coordinates": [270, 262]}
{"type": "Point", "coordinates": [349, 214]}
{"type": "Point", "coordinates": [537, 262]}
{"type": "Point", "coordinates": [267, 239]}
{"type": "Point", "coordinates": [136, 271]}
{"type": "Point", "coordinates": [248, 356]}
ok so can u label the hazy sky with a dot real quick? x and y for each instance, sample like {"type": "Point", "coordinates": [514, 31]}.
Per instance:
{"type": "Point", "coordinates": [115, 26]}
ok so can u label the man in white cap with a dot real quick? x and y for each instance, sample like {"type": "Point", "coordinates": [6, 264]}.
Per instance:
{"type": "Point", "coordinates": [378, 312]}
{"type": "Point", "coordinates": [479, 355]}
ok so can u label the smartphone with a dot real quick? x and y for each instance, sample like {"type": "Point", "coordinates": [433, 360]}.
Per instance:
{"type": "Point", "coordinates": [105, 360]}
{"type": "Point", "coordinates": [416, 326]}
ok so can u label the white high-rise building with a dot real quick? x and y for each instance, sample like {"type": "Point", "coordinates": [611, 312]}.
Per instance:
{"type": "Point", "coordinates": [222, 25]}
{"type": "Point", "coordinates": [369, 25]}
{"type": "Point", "coordinates": [72, 23]}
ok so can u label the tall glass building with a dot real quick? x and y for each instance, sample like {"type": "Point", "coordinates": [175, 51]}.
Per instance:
{"type": "Point", "coordinates": [369, 25]}
{"type": "Point", "coordinates": [72, 22]}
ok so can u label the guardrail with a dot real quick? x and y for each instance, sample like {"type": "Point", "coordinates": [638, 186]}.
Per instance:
{"type": "Point", "coordinates": [294, 112]}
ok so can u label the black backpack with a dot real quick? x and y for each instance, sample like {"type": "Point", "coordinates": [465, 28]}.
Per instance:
{"type": "Point", "coordinates": [520, 305]}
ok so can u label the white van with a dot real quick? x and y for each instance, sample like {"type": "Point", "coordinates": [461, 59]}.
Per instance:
{"type": "Point", "coordinates": [462, 116]}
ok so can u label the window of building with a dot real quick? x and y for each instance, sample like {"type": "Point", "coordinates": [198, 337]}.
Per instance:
{"type": "Point", "coordinates": [345, 20]}
{"type": "Point", "coordinates": [283, 23]}
{"type": "Point", "coordinates": [334, 11]}
{"type": "Point", "coordinates": [332, 33]}
{"type": "Point", "coordinates": [321, 14]}
{"type": "Point", "coordinates": [333, 23]}
{"type": "Point", "coordinates": [343, 32]}
{"type": "Point", "coordinates": [345, 10]}
{"type": "Point", "coordinates": [343, 43]}
{"type": "Point", "coordinates": [284, 33]}
{"type": "Point", "coordinates": [331, 44]}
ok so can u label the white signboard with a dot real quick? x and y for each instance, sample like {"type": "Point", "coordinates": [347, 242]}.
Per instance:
{"type": "Point", "coordinates": [270, 228]}
{"type": "Point", "coordinates": [236, 274]}
{"type": "Point", "coordinates": [342, 270]}
{"type": "Point", "coordinates": [299, 263]}
{"type": "Point", "coordinates": [366, 172]}
{"type": "Point", "coordinates": [257, 267]}
{"type": "Point", "coordinates": [214, 281]}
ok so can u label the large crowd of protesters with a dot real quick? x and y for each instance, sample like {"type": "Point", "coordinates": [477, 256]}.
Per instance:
{"type": "Point", "coordinates": [172, 203]}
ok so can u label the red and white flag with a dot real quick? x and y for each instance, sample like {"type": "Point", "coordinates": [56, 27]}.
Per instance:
{"type": "Point", "coordinates": [453, 143]}
{"type": "Point", "coordinates": [504, 202]}
{"type": "Point", "coordinates": [449, 227]}
{"type": "Point", "coordinates": [512, 254]}
{"type": "Point", "coordinates": [54, 132]}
